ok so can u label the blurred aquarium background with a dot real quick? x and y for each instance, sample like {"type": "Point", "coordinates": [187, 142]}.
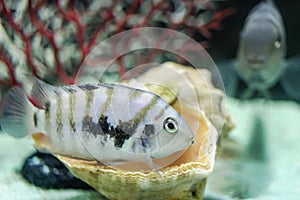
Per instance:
{"type": "Point", "coordinates": [224, 43]}
{"type": "Point", "coordinates": [259, 160]}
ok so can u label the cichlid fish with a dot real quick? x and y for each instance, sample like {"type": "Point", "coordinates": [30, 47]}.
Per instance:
{"type": "Point", "coordinates": [111, 123]}
{"type": "Point", "coordinates": [260, 69]}
{"type": "Point", "coordinates": [262, 47]}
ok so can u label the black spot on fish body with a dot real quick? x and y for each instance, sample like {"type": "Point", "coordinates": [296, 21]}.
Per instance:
{"type": "Point", "coordinates": [103, 123]}
{"type": "Point", "coordinates": [127, 127]}
{"type": "Point", "coordinates": [47, 112]}
{"type": "Point", "coordinates": [73, 126]}
{"type": "Point", "coordinates": [35, 120]}
{"type": "Point", "coordinates": [47, 106]}
{"type": "Point", "coordinates": [122, 132]}
{"type": "Point", "coordinates": [149, 130]}
{"type": "Point", "coordinates": [146, 142]}
{"type": "Point", "coordinates": [119, 137]}
{"type": "Point", "coordinates": [89, 126]}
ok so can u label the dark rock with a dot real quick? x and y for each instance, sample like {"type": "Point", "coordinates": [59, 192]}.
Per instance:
{"type": "Point", "coordinates": [45, 171]}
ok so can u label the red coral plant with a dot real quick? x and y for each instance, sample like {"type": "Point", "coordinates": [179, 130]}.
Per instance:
{"type": "Point", "coordinates": [51, 39]}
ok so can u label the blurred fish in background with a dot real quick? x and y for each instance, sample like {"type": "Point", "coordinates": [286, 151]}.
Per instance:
{"type": "Point", "coordinates": [261, 63]}
{"type": "Point", "coordinates": [260, 69]}
{"type": "Point", "coordinates": [262, 47]}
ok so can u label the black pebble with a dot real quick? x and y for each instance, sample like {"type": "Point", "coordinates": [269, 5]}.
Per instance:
{"type": "Point", "coordinates": [45, 171]}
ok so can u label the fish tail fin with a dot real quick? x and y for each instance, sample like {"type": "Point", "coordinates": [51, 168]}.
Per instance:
{"type": "Point", "coordinates": [14, 113]}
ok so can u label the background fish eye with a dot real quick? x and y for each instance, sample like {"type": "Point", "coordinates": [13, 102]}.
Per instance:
{"type": "Point", "coordinates": [170, 125]}
{"type": "Point", "coordinates": [278, 41]}
{"type": "Point", "coordinates": [277, 44]}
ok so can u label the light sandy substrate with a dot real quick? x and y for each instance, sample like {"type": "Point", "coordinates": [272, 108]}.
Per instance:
{"type": "Point", "coordinates": [265, 169]}
{"type": "Point", "coordinates": [12, 185]}
{"type": "Point", "coordinates": [268, 166]}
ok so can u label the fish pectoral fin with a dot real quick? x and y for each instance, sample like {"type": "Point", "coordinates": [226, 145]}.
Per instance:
{"type": "Point", "coordinates": [42, 93]}
{"type": "Point", "coordinates": [290, 79]}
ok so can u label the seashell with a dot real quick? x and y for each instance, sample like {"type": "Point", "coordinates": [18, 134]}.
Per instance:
{"type": "Point", "coordinates": [200, 104]}
{"type": "Point", "coordinates": [183, 179]}
{"type": "Point", "coordinates": [187, 87]}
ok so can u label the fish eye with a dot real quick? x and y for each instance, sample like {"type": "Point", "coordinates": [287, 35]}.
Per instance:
{"type": "Point", "coordinates": [277, 42]}
{"type": "Point", "coordinates": [170, 125]}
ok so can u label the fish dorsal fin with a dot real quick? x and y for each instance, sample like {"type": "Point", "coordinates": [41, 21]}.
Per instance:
{"type": "Point", "coordinates": [42, 93]}
{"type": "Point", "coordinates": [166, 93]}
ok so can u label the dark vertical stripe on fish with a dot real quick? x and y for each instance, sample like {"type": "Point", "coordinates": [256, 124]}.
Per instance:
{"type": "Point", "coordinates": [134, 95]}
{"type": "Point", "coordinates": [139, 116]}
{"type": "Point", "coordinates": [89, 101]}
{"type": "Point", "coordinates": [109, 92]}
{"type": "Point", "coordinates": [35, 120]}
{"type": "Point", "coordinates": [162, 110]}
{"type": "Point", "coordinates": [59, 124]}
{"type": "Point", "coordinates": [71, 112]}
{"type": "Point", "coordinates": [47, 115]}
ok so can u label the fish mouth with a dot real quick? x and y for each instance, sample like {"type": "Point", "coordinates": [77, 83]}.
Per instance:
{"type": "Point", "coordinates": [256, 60]}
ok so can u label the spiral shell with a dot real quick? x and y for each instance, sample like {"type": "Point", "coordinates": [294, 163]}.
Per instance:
{"type": "Point", "coordinates": [183, 179]}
